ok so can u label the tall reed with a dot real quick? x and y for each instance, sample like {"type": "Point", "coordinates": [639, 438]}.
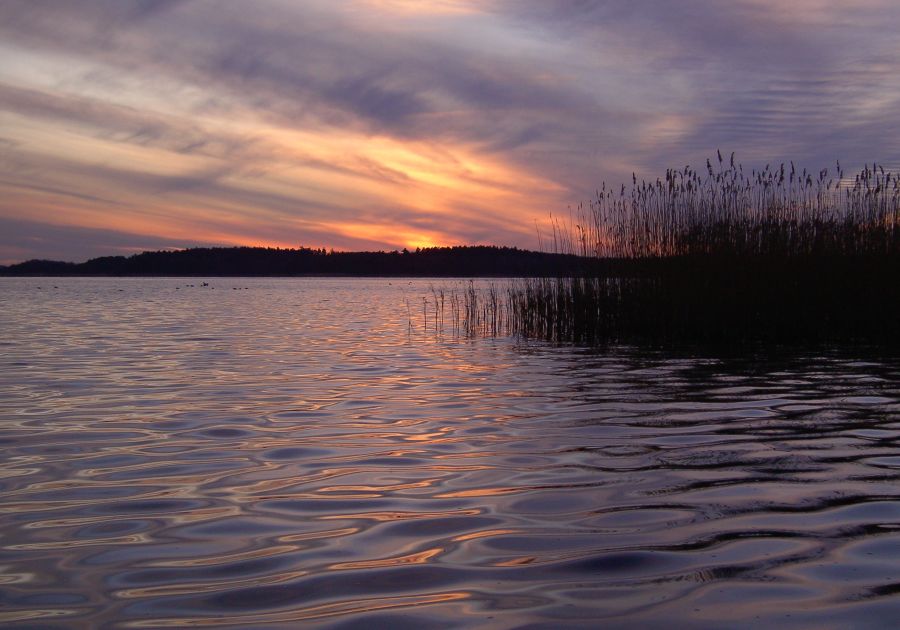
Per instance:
{"type": "Point", "coordinates": [721, 256]}
{"type": "Point", "coordinates": [770, 212]}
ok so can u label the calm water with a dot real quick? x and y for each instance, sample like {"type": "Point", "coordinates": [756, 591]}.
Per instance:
{"type": "Point", "coordinates": [294, 453]}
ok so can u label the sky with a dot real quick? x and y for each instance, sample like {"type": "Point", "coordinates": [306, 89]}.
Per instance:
{"type": "Point", "coordinates": [132, 125]}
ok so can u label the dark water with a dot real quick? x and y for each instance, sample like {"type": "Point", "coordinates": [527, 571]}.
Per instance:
{"type": "Point", "coordinates": [294, 454]}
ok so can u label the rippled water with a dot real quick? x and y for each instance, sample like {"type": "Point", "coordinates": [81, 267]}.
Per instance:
{"type": "Point", "coordinates": [283, 453]}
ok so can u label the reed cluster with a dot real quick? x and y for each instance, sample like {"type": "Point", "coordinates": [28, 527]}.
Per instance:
{"type": "Point", "coordinates": [725, 211]}
{"type": "Point", "coordinates": [717, 257]}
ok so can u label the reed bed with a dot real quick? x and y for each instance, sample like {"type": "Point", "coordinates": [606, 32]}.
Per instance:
{"type": "Point", "coordinates": [464, 311]}
{"type": "Point", "coordinates": [725, 211]}
{"type": "Point", "coordinates": [776, 256]}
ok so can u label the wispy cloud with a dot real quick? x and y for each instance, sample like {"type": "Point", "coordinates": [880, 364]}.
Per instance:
{"type": "Point", "coordinates": [386, 123]}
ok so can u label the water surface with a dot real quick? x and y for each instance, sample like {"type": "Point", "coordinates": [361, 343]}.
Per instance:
{"type": "Point", "coordinates": [275, 453]}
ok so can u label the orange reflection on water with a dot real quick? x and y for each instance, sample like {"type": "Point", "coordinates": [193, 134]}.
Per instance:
{"type": "Point", "coordinates": [516, 562]}
{"type": "Point", "coordinates": [205, 514]}
{"type": "Point", "coordinates": [462, 468]}
{"type": "Point", "coordinates": [487, 533]}
{"type": "Point", "coordinates": [328, 533]}
{"type": "Point", "coordinates": [401, 516]}
{"type": "Point", "coordinates": [421, 557]}
{"type": "Point", "coordinates": [434, 437]}
{"type": "Point", "coordinates": [337, 495]}
{"type": "Point", "coordinates": [481, 492]}
{"type": "Point", "coordinates": [425, 483]}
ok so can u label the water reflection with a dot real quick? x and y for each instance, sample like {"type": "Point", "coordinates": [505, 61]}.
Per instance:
{"type": "Point", "coordinates": [300, 452]}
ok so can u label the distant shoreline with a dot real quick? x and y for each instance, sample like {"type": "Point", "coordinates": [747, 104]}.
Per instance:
{"type": "Point", "coordinates": [256, 262]}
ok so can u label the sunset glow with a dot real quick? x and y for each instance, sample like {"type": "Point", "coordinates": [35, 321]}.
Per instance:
{"type": "Point", "coordinates": [383, 124]}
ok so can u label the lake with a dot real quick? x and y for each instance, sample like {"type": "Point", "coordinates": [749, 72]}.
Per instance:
{"type": "Point", "coordinates": [304, 452]}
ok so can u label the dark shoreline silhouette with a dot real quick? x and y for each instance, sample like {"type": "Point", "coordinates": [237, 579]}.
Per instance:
{"type": "Point", "coordinates": [460, 261]}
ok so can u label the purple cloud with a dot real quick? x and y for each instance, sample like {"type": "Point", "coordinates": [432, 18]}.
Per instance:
{"type": "Point", "coordinates": [295, 119]}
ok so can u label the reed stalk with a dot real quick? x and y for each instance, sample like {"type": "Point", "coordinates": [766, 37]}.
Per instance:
{"type": "Point", "coordinates": [724, 255]}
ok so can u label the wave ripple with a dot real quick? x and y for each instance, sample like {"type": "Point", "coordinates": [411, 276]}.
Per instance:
{"type": "Point", "coordinates": [302, 452]}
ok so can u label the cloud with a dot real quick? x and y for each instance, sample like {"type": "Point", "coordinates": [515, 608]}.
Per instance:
{"type": "Point", "coordinates": [24, 240]}
{"type": "Point", "coordinates": [367, 122]}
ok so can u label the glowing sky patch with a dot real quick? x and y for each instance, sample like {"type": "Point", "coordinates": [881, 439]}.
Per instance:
{"type": "Point", "coordinates": [383, 124]}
